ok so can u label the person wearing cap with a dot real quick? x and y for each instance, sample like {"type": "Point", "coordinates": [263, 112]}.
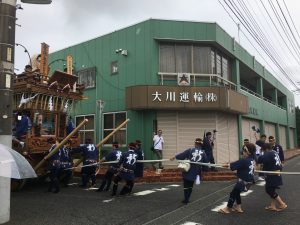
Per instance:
{"type": "Point", "coordinates": [90, 158]}
{"type": "Point", "coordinates": [195, 154]}
{"type": "Point", "coordinates": [208, 148]}
{"type": "Point", "coordinates": [245, 177]}
{"type": "Point", "coordinates": [113, 155]}
{"type": "Point", "coordinates": [277, 148]}
{"type": "Point", "coordinates": [271, 162]}
{"type": "Point", "coordinates": [126, 172]}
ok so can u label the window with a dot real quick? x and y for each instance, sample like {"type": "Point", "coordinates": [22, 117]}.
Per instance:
{"type": "Point", "coordinates": [193, 58]}
{"type": "Point", "coordinates": [87, 77]}
{"type": "Point", "coordinates": [87, 131]}
{"type": "Point", "coordinates": [167, 58]}
{"type": "Point", "coordinates": [114, 67]}
{"type": "Point", "coordinates": [110, 122]}
{"type": "Point", "coordinates": [219, 65]}
{"type": "Point", "coordinates": [213, 61]}
{"type": "Point", "coordinates": [183, 58]}
{"type": "Point", "coordinates": [224, 68]}
{"type": "Point", "coordinates": [201, 59]}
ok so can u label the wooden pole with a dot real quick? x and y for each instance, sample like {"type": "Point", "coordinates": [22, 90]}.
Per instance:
{"type": "Point", "coordinates": [105, 139]}
{"type": "Point", "coordinates": [60, 144]}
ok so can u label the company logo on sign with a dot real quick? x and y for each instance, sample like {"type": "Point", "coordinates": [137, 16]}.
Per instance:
{"type": "Point", "coordinates": [184, 79]}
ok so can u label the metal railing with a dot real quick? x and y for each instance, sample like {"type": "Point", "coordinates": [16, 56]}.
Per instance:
{"type": "Point", "coordinates": [262, 98]}
{"type": "Point", "coordinates": [213, 79]}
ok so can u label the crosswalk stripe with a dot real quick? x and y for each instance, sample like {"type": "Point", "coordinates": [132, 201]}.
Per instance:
{"type": "Point", "coordinates": [147, 192]}
{"type": "Point", "coordinates": [261, 183]}
{"type": "Point", "coordinates": [223, 205]}
{"type": "Point", "coordinates": [190, 223]}
{"type": "Point", "coordinates": [246, 193]}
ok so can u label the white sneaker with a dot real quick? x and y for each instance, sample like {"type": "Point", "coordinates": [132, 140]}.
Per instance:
{"type": "Point", "coordinates": [261, 178]}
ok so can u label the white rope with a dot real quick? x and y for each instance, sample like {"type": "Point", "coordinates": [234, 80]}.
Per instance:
{"type": "Point", "coordinates": [187, 161]}
{"type": "Point", "coordinates": [277, 172]}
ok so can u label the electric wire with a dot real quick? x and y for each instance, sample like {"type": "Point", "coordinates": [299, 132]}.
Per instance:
{"type": "Point", "coordinates": [263, 58]}
{"type": "Point", "coordinates": [255, 36]}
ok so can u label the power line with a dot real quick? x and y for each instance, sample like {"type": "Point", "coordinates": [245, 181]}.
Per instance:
{"type": "Point", "coordinates": [249, 27]}
{"type": "Point", "coordinates": [254, 35]}
{"type": "Point", "coordinates": [263, 58]}
{"type": "Point", "coordinates": [291, 18]}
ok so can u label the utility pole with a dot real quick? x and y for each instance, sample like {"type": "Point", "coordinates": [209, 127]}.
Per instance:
{"type": "Point", "coordinates": [7, 54]}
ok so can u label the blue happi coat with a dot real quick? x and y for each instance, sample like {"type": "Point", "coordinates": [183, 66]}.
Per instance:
{"type": "Point", "coordinates": [244, 172]}
{"type": "Point", "coordinates": [90, 153]}
{"type": "Point", "coordinates": [113, 155]}
{"type": "Point", "coordinates": [139, 169]}
{"type": "Point", "coordinates": [54, 160]}
{"type": "Point", "coordinates": [277, 148]}
{"type": "Point", "coordinates": [271, 162]}
{"type": "Point", "coordinates": [128, 163]}
{"type": "Point", "coordinates": [194, 155]}
{"type": "Point", "coordinates": [65, 158]}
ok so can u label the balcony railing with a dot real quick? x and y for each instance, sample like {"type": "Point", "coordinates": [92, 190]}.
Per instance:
{"type": "Point", "coordinates": [259, 96]}
{"type": "Point", "coordinates": [212, 79]}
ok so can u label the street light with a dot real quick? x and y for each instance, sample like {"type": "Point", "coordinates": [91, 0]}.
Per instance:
{"type": "Point", "coordinates": [25, 50]}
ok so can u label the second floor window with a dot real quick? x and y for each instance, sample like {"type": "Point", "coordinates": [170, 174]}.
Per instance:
{"type": "Point", "coordinates": [87, 77]}
{"type": "Point", "coordinates": [192, 58]}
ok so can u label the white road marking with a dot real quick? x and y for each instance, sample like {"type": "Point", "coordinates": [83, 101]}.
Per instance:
{"type": "Point", "coordinates": [223, 205]}
{"type": "Point", "coordinates": [173, 185]}
{"type": "Point", "coordinates": [246, 193]}
{"type": "Point", "coordinates": [161, 189]}
{"type": "Point", "coordinates": [72, 184]}
{"type": "Point", "coordinates": [147, 192]}
{"type": "Point", "coordinates": [108, 200]}
{"type": "Point", "coordinates": [261, 183]}
{"type": "Point", "coordinates": [191, 223]}
{"type": "Point", "coordinates": [91, 189]}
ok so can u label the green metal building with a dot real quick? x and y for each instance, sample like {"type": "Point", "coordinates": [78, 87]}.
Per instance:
{"type": "Point", "coordinates": [185, 78]}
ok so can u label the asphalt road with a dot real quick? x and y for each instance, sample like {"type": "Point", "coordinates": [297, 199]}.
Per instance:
{"type": "Point", "coordinates": [154, 204]}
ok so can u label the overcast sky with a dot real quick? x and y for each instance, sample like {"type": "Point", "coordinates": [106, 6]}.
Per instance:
{"type": "Point", "coordinates": [68, 22]}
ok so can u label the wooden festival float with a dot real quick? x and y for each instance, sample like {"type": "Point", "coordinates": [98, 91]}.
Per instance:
{"type": "Point", "coordinates": [47, 101]}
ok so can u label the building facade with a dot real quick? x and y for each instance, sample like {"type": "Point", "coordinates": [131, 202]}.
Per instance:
{"type": "Point", "coordinates": [185, 78]}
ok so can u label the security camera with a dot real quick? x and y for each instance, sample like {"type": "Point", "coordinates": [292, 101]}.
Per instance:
{"type": "Point", "coordinates": [124, 52]}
